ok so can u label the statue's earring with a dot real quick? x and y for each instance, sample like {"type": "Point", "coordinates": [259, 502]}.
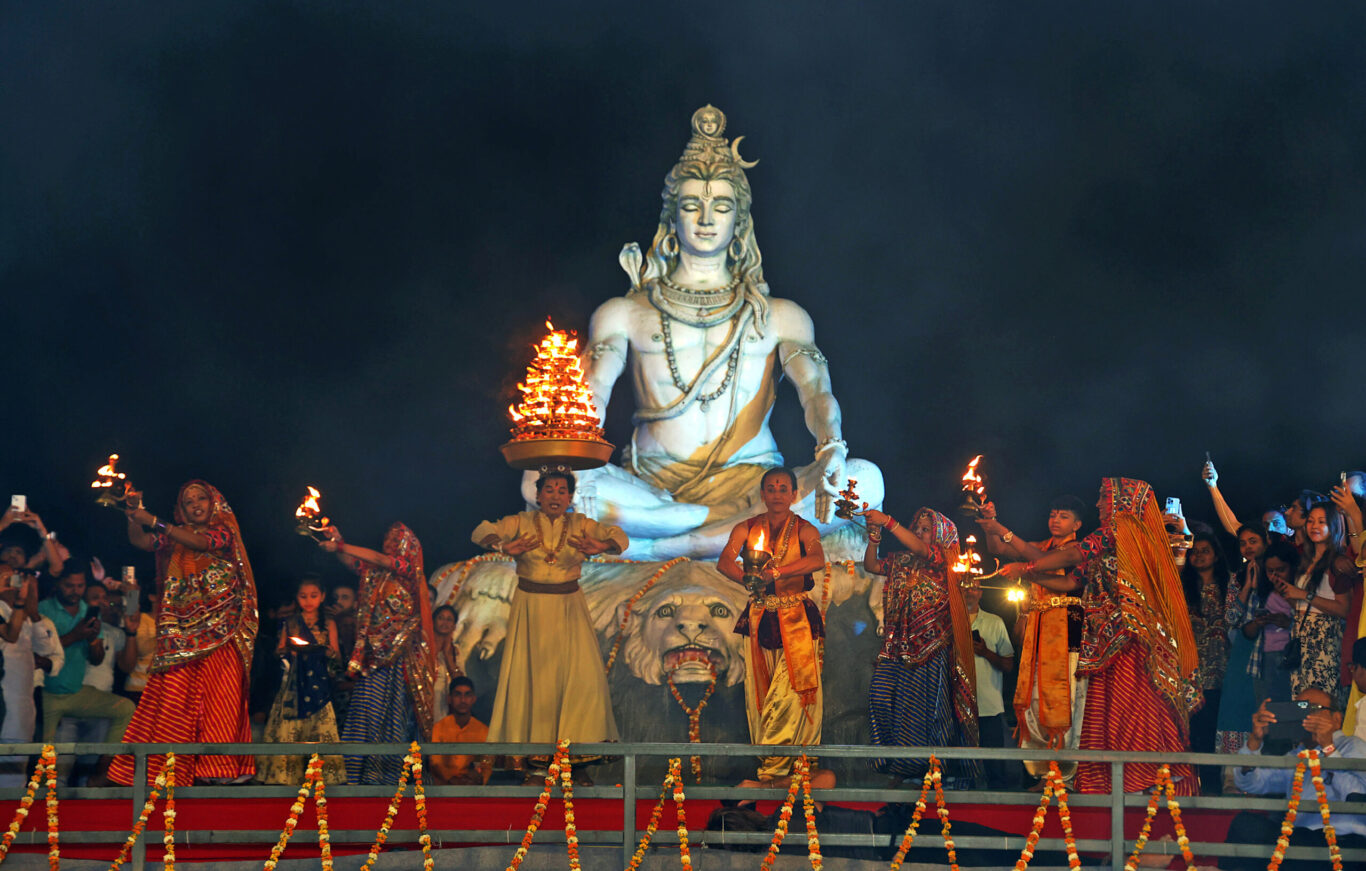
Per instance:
{"type": "Point", "coordinates": [737, 249]}
{"type": "Point", "coordinates": [670, 243]}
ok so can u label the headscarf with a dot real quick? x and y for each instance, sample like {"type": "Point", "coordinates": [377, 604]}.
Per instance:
{"type": "Point", "coordinates": [945, 535]}
{"type": "Point", "coordinates": [207, 599]}
{"type": "Point", "coordinates": [418, 651]}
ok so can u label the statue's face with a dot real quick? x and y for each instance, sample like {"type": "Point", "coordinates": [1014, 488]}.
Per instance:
{"type": "Point", "coordinates": [689, 629]}
{"type": "Point", "coordinates": [706, 216]}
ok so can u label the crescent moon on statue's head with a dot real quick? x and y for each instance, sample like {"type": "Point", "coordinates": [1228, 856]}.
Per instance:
{"type": "Point", "coordinates": [735, 152]}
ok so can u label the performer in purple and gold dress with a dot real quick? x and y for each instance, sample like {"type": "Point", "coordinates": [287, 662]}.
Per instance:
{"type": "Point", "coordinates": [923, 691]}
{"type": "Point", "coordinates": [206, 626]}
{"type": "Point", "coordinates": [394, 654]}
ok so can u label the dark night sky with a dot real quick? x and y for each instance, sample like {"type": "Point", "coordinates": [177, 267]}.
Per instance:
{"type": "Point", "coordinates": [270, 243]}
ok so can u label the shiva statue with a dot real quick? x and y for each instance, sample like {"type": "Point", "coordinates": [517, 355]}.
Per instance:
{"type": "Point", "coordinates": [706, 346]}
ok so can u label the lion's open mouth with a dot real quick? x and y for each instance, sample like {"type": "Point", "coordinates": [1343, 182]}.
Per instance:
{"type": "Point", "coordinates": [692, 658]}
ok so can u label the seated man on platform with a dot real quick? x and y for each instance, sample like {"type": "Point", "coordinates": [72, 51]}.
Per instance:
{"type": "Point", "coordinates": [1319, 733]}
{"type": "Point", "coordinates": [706, 346]}
{"type": "Point", "coordinates": [460, 727]}
{"type": "Point", "coordinates": [785, 646]}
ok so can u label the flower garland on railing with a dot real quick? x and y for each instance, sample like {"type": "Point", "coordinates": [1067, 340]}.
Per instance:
{"type": "Point", "coordinates": [908, 838]}
{"type": "Point", "coordinates": [1163, 786]}
{"type": "Point", "coordinates": [557, 764]}
{"type": "Point", "coordinates": [54, 852]}
{"type": "Point", "coordinates": [313, 781]}
{"type": "Point", "coordinates": [410, 762]}
{"type": "Point", "coordinates": [166, 776]}
{"type": "Point", "coordinates": [695, 716]}
{"type": "Point", "coordinates": [420, 806]}
{"type": "Point", "coordinates": [1054, 785]}
{"type": "Point", "coordinates": [631, 603]}
{"type": "Point", "coordinates": [1310, 757]}
{"type": "Point", "coordinates": [943, 809]}
{"type": "Point", "coordinates": [813, 838]}
{"type": "Point", "coordinates": [27, 801]}
{"type": "Point", "coordinates": [784, 817]}
{"type": "Point", "coordinates": [571, 837]}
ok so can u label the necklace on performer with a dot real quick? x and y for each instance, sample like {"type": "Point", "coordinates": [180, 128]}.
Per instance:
{"type": "Point", "coordinates": [550, 556]}
{"type": "Point", "coordinates": [784, 538]}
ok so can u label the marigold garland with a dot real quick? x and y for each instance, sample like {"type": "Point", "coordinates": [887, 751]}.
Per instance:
{"type": "Point", "coordinates": [167, 775]}
{"type": "Point", "coordinates": [382, 835]}
{"type": "Point", "coordinates": [943, 809]}
{"type": "Point", "coordinates": [312, 781]}
{"type": "Point", "coordinates": [908, 838]}
{"type": "Point", "coordinates": [168, 827]}
{"type": "Point", "coordinates": [631, 603]}
{"type": "Point", "coordinates": [695, 716]}
{"type": "Point", "coordinates": [1311, 759]}
{"type": "Point", "coordinates": [675, 774]}
{"type": "Point", "coordinates": [684, 852]}
{"type": "Point", "coordinates": [26, 802]}
{"type": "Point", "coordinates": [571, 837]}
{"type": "Point", "coordinates": [420, 805]}
{"type": "Point", "coordinates": [1164, 786]}
{"type": "Point", "coordinates": [813, 839]}
{"type": "Point", "coordinates": [560, 760]}
{"type": "Point", "coordinates": [465, 568]}
{"type": "Point", "coordinates": [320, 807]}
{"type": "Point", "coordinates": [54, 852]}
{"type": "Point", "coordinates": [784, 817]}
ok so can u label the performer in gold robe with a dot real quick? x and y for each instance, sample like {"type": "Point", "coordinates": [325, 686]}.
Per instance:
{"type": "Point", "coordinates": [551, 684]}
{"type": "Point", "coordinates": [786, 635]}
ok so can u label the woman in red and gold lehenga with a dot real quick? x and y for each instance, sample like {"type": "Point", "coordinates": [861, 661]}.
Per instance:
{"type": "Point", "coordinates": [1137, 648]}
{"type": "Point", "coordinates": [206, 626]}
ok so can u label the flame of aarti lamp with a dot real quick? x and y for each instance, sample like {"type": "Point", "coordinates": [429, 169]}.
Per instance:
{"type": "Point", "coordinates": [974, 489]}
{"type": "Point", "coordinates": [113, 485]}
{"type": "Point", "coordinates": [555, 423]}
{"type": "Point", "coordinates": [754, 559]}
{"type": "Point", "coordinates": [309, 514]}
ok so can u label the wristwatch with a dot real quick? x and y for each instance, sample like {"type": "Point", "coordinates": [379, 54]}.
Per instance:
{"type": "Point", "coordinates": [1008, 537]}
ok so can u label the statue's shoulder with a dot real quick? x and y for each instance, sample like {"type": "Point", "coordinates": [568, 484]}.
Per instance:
{"type": "Point", "coordinates": [616, 314]}
{"type": "Point", "coordinates": [789, 320]}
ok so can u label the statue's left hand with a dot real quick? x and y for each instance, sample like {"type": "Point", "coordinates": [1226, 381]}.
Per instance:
{"type": "Point", "coordinates": [828, 486]}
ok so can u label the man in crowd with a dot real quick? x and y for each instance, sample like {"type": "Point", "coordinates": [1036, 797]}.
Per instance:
{"type": "Point", "coordinates": [120, 650]}
{"type": "Point", "coordinates": [1320, 733]}
{"type": "Point", "coordinates": [1049, 697]}
{"type": "Point", "coordinates": [21, 650]}
{"type": "Point", "coordinates": [15, 552]}
{"type": "Point", "coordinates": [65, 693]}
{"type": "Point", "coordinates": [994, 658]}
{"type": "Point", "coordinates": [460, 726]}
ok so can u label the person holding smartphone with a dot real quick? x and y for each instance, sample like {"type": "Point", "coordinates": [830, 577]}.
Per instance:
{"type": "Point", "coordinates": [1321, 720]}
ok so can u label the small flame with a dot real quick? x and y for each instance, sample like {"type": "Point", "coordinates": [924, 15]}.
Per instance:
{"type": "Point", "coordinates": [555, 398]}
{"type": "Point", "coordinates": [972, 482]}
{"type": "Point", "coordinates": [1015, 595]}
{"type": "Point", "coordinates": [107, 474]}
{"type": "Point", "coordinates": [309, 509]}
{"type": "Point", "coordinates": [302, 642]}
{"type": "Point", "coordinates": [758, 540]}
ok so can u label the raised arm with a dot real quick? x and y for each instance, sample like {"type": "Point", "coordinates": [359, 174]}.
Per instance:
{"type": "Point", "coordinates": [1226, 516]}
{"type": "Point", "coordinates": [141, 517]}
{"type": "Point", "coordinates": [806, 367]}
{"type": "Point", "coordinates": [997, 533]}
{"type": "Point", "coordinates": [908, 539]}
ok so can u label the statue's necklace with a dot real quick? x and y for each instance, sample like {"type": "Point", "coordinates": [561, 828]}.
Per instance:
{"type": "Point", "coordinates": [550, 556]}
{"type": "Point", "coordinates": [706, 398]}
{"type": "Point", "coordinates": [696, 308]}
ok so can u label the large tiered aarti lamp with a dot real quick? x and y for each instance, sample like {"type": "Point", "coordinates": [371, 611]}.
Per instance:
{"type": "Point", "coordinates": [555, 423]}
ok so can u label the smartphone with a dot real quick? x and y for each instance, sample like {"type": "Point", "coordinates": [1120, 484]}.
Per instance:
{"type": "Point", "coordinates": [1289, 725]}
{"type": "Point", "coordinates": [130, 591]}
{"type": "Point", "coordinates": [18, 503]}
{"type": "Point", "coordinates": [92, 614]}
{"type": "Point", "coordinates": [16, 580]}
{"type": "Point", "coordinates": [1342, 476]}
{"type": "Point", "coordinates": [976, 636]}
{"type": "Point", "coordinates": [1173, 506]}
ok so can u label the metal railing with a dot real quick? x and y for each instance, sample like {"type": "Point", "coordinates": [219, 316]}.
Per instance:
{"type": "Point", "coordinates": [629, 791]}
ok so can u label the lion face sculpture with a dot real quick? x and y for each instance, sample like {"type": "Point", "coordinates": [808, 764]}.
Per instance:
{"type": "Point", "coordinates": [685, 630]}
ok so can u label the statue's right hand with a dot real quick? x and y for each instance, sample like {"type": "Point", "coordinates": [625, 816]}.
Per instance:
{"type": "Point", "coordinates": [483, 626]}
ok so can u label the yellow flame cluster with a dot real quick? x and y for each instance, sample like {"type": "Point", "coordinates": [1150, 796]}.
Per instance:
{"type": "Point", "coordinates": [556, 401]}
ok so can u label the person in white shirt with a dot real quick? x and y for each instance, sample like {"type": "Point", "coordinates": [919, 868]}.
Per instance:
{"type": "Point", "coordinates": [994, 656]}
{"type": "Point", "coordinates": [121, 652]}
{"type": "Point", "coordinates": [19, 650]}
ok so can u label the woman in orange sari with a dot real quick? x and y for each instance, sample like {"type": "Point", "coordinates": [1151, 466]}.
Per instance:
{"type": "Point", "coordinates": [1137, 650]}
{"type": "Point", "coordinates": [206, 626]}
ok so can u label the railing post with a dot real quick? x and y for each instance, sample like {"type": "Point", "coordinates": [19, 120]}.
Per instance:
{"type": "Point", "coordinates": [139, 799]}
{"type": "Point", "coordinates": [1117, 816]}
{"type": "Point", "coordinates": [628, 810]}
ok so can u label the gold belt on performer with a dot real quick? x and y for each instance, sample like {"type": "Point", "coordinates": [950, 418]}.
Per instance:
{"type": "Point", "coordinates": [777, 603]}
{"type": "Point", "coordinates": [562, 589]}
{"type": "Point", "coordinates": [1054, 602]}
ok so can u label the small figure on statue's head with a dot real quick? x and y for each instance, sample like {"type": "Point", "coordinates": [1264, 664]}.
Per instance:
{"type": "Point", "coordinates": [709, 121]}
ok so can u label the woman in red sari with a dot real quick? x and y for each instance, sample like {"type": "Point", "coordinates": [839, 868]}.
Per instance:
{"type": "Point", "coordinates": [206, 626]}
{"type": "Point", "coordinates": [1137, 649]}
